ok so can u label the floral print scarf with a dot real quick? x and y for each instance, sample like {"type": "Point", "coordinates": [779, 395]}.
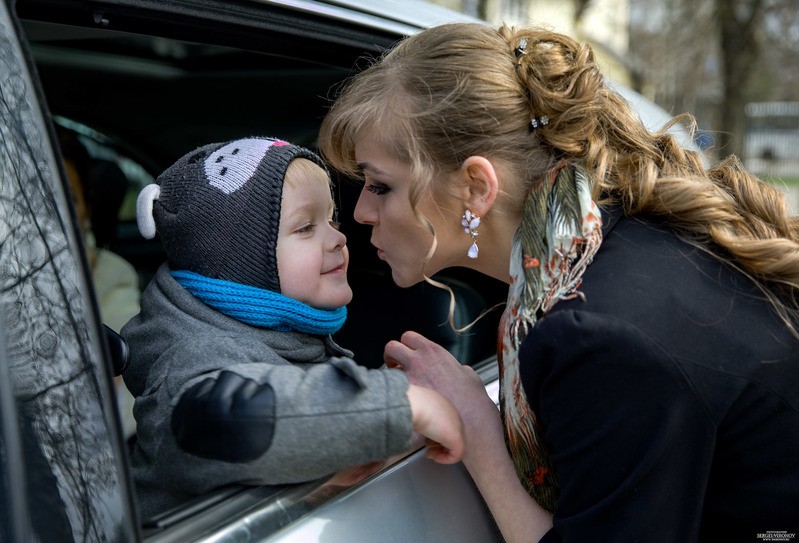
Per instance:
{"type": "Point", "coordinates": [561, 230]}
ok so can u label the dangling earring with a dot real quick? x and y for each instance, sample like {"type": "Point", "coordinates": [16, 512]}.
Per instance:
{"type": "Point", "coordinates": [471, 222]}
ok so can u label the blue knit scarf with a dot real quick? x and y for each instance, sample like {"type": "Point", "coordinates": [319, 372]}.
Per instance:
{"type": "Point", "coordinates": [261, 307]}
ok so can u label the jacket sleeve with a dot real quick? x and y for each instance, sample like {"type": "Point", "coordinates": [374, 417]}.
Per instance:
{"type": "Point", "coordinates": [227, 417]}
{"type": "Point", "coordinates": [275, 423]}
{"type": "Point", "coordinates": [631, 441]}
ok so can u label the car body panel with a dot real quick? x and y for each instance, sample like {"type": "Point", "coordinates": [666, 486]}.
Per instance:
{"type": "Point", "coordinates": [456, 511]}
{"type": "Point", "coordinates": [400, 16]}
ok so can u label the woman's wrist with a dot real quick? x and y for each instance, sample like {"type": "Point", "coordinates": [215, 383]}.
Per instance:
{"type": "Point", "coordinates": [488, 461]}
{"type": "Point", "coordinates": [483, 429]}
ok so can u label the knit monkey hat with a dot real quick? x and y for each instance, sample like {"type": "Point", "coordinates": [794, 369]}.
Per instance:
{"type": "Point", "coordinates": [217, 209]}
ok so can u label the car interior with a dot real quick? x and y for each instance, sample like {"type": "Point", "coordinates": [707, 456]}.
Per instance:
{"type": "Point", "coordinates": [139, 93]}
{"type": "Point", "coordinates": [138, 102]}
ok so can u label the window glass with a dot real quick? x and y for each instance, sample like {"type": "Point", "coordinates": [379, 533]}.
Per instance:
{"type": "Point", "coordinates": [63, 404]}
{"type": "Point", "coordinates": [103, 148]}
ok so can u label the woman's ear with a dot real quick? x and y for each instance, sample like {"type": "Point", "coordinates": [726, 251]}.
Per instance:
{"type": "Point", "coordinates": [481, 184]}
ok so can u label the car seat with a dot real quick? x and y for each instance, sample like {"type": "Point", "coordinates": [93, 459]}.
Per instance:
{"type": "Point", "coordinates": [109, 186]}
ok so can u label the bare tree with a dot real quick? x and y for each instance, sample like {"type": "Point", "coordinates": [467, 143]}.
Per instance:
{"type": "Point", "coordinates": [741, 39]}
{"type": "Point", "coordinates": [670, 51]}
{"type": "Point", "coordinates": [712, 57]}
{"type": "Point", "coordinates": [482, 8]}
{"type": "Point", "coordinates": [580, 7]}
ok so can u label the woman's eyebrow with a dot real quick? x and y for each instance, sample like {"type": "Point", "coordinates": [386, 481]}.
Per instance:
{"type": "Point", "coordinates": [366, 166]}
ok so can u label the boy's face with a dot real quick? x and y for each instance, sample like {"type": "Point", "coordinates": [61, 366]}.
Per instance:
{"type": "Point", "coordinates": [312, 255]}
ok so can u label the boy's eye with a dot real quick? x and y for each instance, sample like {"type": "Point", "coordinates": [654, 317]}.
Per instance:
{"type": "Point", "coordinates": [377, 189]}
{"type": "Point", "coordinates": [305, 229]}
{"type": "Point", "coordinates": [335, 224]}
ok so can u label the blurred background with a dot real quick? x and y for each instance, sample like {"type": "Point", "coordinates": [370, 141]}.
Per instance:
{"type": "Point", "coordinates": [733, 64]}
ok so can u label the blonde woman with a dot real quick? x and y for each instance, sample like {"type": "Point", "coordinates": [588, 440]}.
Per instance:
{"type": "Point", "coordinates": [649, 355]}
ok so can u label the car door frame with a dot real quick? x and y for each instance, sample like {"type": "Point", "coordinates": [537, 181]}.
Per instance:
{"type": "Point", "coordinates": [39, 137]}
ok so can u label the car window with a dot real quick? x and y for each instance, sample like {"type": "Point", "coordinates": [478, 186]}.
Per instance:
{"type": "Point", "coordinates": [148, 99]}
{"type": "Point", "coordinates": [103, 149]}
{"type": "Point", "coordinates": [65, 424]}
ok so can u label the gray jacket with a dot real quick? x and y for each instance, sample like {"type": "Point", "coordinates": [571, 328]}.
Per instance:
{"type": "Point", "coordinates": [329, 412]}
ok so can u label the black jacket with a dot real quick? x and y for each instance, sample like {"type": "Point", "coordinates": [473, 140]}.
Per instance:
{"type": "Point", "coordinates": [669, 398]}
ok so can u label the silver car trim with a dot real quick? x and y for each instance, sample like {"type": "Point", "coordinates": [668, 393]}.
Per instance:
{"type": "Point", "coordinates": [264, 513]}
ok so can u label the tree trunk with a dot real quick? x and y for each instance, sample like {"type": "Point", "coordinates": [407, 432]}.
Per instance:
{"type": "Point", "coordinates": [738, 24]}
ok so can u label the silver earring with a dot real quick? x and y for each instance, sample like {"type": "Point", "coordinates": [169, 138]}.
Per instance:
{"type": "Point", "coordinates": [470, 223]}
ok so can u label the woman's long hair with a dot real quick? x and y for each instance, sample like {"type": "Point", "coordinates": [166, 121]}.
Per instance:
{"type": "Point", "coordinates": [466, 89]}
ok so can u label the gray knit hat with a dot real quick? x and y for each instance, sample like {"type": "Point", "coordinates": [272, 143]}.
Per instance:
{"type": "Point", "coordinates": [217, 209]}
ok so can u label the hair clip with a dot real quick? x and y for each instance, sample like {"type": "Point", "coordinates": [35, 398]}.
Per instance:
{"type": "Point", "coordinates": [520, 50]}
{"type": "Point", "coordinates": [538, 122]}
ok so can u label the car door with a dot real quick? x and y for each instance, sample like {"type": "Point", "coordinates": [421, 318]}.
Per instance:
{"type": "Point", "coordinates": [64, 470]}
{"type": "Point", "coordinates": [61, 464]}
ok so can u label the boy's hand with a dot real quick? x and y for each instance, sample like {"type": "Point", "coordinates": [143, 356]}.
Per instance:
{"type": "Point", "coordinates": [436, 419]}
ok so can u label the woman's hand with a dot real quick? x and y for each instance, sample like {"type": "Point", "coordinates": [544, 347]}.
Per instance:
{"type": "Point", "coordinates": [427, 364]}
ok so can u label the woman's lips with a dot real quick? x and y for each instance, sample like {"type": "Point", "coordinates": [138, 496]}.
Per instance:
{"type": "Point", "coordinates": [380, 253]}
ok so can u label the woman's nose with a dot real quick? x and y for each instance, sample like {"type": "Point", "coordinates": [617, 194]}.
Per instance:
{"type": "Point", "coordinates": [364, 212]}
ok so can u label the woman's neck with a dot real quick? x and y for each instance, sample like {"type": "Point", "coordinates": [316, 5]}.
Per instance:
{"type": "Point", "coordinates": [495, 242]}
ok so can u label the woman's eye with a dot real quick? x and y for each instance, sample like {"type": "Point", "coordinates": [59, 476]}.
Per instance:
{"type": "Point", "coordinates": [377, 189]}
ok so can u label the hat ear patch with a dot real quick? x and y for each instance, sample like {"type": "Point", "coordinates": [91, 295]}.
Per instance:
{"type": "Point", "coordinates": [232, 165]}
{"type": "Point", "coordinates": [144, 210]}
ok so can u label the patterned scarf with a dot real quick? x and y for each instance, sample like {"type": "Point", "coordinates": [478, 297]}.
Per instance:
{"type": "Point", "coordinates": [261, 307]}
{"type": "Point", "coordinates": [561, 230]}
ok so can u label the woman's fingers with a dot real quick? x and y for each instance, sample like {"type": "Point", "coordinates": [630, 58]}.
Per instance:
{"type": "Point", "coordinates": [413, 350]}
{"type": "Point", "coordinates": [427, 364]}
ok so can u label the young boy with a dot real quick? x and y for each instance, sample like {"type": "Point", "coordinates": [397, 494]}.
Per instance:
{"type": "Point", "coordinates": [235, 374]}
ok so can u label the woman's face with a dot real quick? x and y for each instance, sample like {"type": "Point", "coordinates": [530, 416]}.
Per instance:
{"type": "Point", "coordinates": [401, 240]}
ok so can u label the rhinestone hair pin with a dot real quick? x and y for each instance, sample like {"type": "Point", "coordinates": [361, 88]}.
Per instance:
{"type": "Point", "coordinates": [538, 122]}
{"type": "Point", "coordinates": [520, 50]}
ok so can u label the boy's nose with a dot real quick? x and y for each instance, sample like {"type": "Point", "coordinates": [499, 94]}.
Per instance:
{"type": "Point", "coordinates": [339, 240]}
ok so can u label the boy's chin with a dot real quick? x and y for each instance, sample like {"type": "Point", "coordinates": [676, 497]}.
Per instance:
{"type": "Point", "coordinates": [340, 301]}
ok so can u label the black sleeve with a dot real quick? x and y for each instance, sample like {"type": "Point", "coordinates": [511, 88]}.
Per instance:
{"type": "Point", "coordinates": [227, 417]}
{"type": "Point", "coordinates": [630, 441]}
